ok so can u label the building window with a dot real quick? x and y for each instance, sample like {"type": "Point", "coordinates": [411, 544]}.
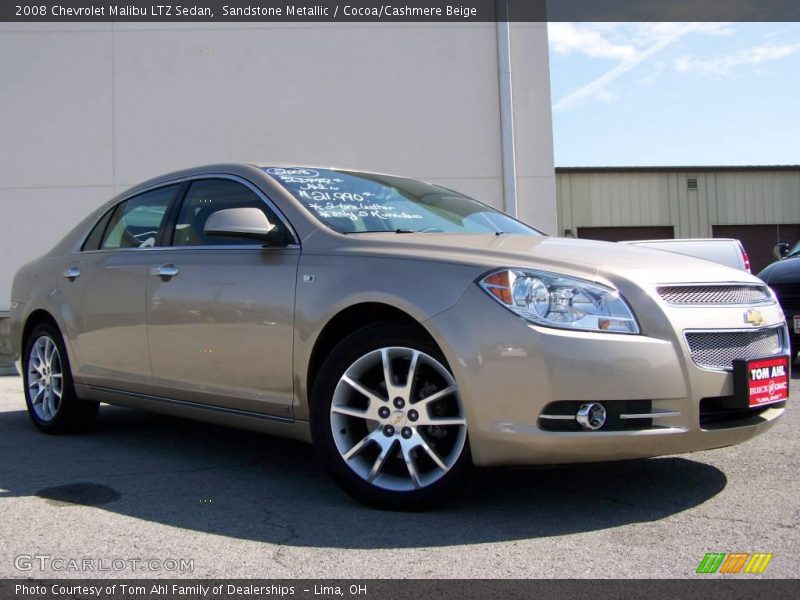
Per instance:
{"type": "Point", "coordinates": [691, 184]}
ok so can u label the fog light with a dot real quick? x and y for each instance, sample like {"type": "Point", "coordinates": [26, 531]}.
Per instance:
{"type": "Point", "coordinates": [591, 416]}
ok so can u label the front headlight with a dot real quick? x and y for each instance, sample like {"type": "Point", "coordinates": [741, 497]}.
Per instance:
{"type": "Point", "coordinates": [559, 301]}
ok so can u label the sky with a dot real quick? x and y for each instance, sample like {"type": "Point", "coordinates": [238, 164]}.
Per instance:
{"type": "Point", "coordinates": [644, 94]}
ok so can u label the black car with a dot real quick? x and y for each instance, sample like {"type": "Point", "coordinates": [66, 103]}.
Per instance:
{"type": "Point", "coordinates": [783, 277]}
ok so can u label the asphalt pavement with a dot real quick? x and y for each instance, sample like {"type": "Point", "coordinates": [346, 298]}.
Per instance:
{"type": "Point", "coordinates": [226, 503]}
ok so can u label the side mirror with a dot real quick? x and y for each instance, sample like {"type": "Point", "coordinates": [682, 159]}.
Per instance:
{"type": "Point", "coordinates": [243, 222]}
{"type": "Point", "coordinates": [780, 250]}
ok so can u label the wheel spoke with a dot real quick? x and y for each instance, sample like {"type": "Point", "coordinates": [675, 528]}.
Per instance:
{"type": "Point", "coordinates": [412, 374]}
{"type": "Point", "coordinates": [49, 351]}
{"type": "Point", "coordinates": [376, 468]}
{"type": "Point", "coordinates": [410, 465]}
{"type": "Point", "coordinates": [360, 445]}
{"type": "Point", "coordinates": [37, 349]}
{"type": "Point", "coordinates": [435, 397]}
{"type": "Point", "coordinates": [432, 453]}
{"type": "Point", "coordinates": [33, 384]}
{"type": "Point", "coordinates": [37, 399]}
{"type": "Point", "coordinates": [373, 397]}
{"type": "Point", "coordinates": [50, 408]}
{"type": "Point", "coordinates": [441, 421]}
{"type": "Point", "coordinates": [388, 376]}
{"type": "Point", "coordinates": [349, 411]}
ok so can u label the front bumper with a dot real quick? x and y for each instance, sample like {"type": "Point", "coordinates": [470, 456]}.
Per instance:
{"type": "Point", "coordinates": [509, 370]}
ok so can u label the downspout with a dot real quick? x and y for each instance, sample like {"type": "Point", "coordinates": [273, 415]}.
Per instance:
{"type": "Point", "coordinates": [506, 109]}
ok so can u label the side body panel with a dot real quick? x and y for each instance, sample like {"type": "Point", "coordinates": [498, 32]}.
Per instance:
{"type": "Point", "coordinates": [220, 331]}
{"type": "Point", "coordinates": [103, 312]}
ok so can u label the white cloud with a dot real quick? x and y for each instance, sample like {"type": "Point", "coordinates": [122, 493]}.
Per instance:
{"type": "Point", "coordinates": [722, 65]}
{"type": "Point", "coordinates": [652, 76]}
{"type": "Point", "coordinates": [620, 41]}
{"type": "Point", "coordinates": [654, 31]}
{"type": "Point", "coordinates": [569, 38]}
{"type": "Point", "coordinates": [598, 85]}
{"type": "Point", "coordinates": [632, 44]}
{"type": "Point", "coordinates": [606, 96]}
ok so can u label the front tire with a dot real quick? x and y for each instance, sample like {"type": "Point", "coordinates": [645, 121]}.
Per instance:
{"type": "Point", "coordinates": [49, 392]}
{"type": "Point", "coordinates": [387, 419]}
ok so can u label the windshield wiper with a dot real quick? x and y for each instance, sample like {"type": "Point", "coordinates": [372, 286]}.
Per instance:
{"type": "Point", "coordinates": [381, 231]}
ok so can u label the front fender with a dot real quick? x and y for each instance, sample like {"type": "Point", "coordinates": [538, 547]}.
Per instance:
{"type": "Point", "coordinates": [327, 285]}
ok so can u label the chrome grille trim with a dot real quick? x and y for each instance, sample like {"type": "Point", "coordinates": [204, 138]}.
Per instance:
{"type": "Point", "coordinates": [558, 417]}
{"type": "Point", "coordinates": [715, 294]}
{"type": "Point", "coordinates": [653, 415]}
{"type": "Point", "coordinates": [716, 349]}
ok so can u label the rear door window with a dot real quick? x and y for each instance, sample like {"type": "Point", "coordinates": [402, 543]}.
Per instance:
{"type": "Point", "coordinates": [95, 238]}
{"type": "Point", "coordinates": [137, 222]}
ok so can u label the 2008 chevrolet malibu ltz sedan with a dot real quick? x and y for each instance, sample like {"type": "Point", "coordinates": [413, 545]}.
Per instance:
{"type": "Point", "coordinates": [408, 331]}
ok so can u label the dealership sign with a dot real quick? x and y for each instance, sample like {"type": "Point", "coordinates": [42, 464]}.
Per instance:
{"type": "Point", "coordinates": [761, 381]}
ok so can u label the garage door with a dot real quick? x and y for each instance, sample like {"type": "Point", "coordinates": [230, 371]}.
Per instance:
{"type": "Point", "coordinates": [759, 240]}
{"type": "Point", "coordinates": [621, 234]}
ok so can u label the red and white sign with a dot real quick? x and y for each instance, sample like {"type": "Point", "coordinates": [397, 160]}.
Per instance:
{"type": "Point", "coordinates": [767, 380]}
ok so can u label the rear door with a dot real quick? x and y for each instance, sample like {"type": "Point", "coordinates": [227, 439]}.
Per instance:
{"type": "Point", "coordinates": [221, 309]}
{"type": "Point", "coordinates": [102, 293]}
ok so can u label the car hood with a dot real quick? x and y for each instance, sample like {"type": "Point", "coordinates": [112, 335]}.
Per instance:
{"type": "Point", "coordinates": [585, 258]}
{"type": "Point", "coordinates": [782, 271]}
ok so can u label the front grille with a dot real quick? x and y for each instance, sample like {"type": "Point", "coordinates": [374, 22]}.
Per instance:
{"type": "Point", "coordinates": [713, 295]}
{"type": "Point", "coordinates": [718, 349]}
{"type": "Point", "coordinates": [788, 295]}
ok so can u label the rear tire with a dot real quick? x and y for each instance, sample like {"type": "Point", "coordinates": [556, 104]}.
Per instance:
{"type": "Point", "coordinates": [50, 395]}
{"type": "Point", "coordinates": [400, 445]}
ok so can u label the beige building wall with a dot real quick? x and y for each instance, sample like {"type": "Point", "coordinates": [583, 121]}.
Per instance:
{"type": "Point", "coordinates": [533, 126]}
{"type": "Point", "coordinates": [638, 198]}
{"type": "Point", "coordinates": [87, 110]}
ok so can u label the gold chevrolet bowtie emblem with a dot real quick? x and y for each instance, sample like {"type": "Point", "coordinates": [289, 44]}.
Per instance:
{"type": "Point", "coordinates": [754, 317]}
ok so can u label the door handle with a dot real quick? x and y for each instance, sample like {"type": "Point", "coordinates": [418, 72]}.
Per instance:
{"type": "Point", "coordinates": [72, 273]}
{"type": "Point", "coordinates": [166, 271]}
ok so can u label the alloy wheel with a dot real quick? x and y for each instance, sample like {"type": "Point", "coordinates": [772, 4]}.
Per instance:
{"type": "Point", "coordinates": [45, 378]}
{"type": "Point", "coordinates": [397, 419]}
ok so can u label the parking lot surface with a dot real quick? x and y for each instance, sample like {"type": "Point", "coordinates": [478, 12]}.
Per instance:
{"type": "Point", "coordinates": [238, 504]}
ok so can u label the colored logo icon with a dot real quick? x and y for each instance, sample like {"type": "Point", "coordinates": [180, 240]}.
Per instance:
{"type": "Point", "coordinates": [734, 562]}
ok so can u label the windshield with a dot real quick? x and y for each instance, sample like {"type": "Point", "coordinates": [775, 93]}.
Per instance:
{"type": "Point", "coordinates": [351, 202]}
{"type": "Point", "coordinates": [795, 249]}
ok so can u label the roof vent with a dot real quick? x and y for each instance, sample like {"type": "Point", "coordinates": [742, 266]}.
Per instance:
{"type": "Point", "coordinates": [691, 184]}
